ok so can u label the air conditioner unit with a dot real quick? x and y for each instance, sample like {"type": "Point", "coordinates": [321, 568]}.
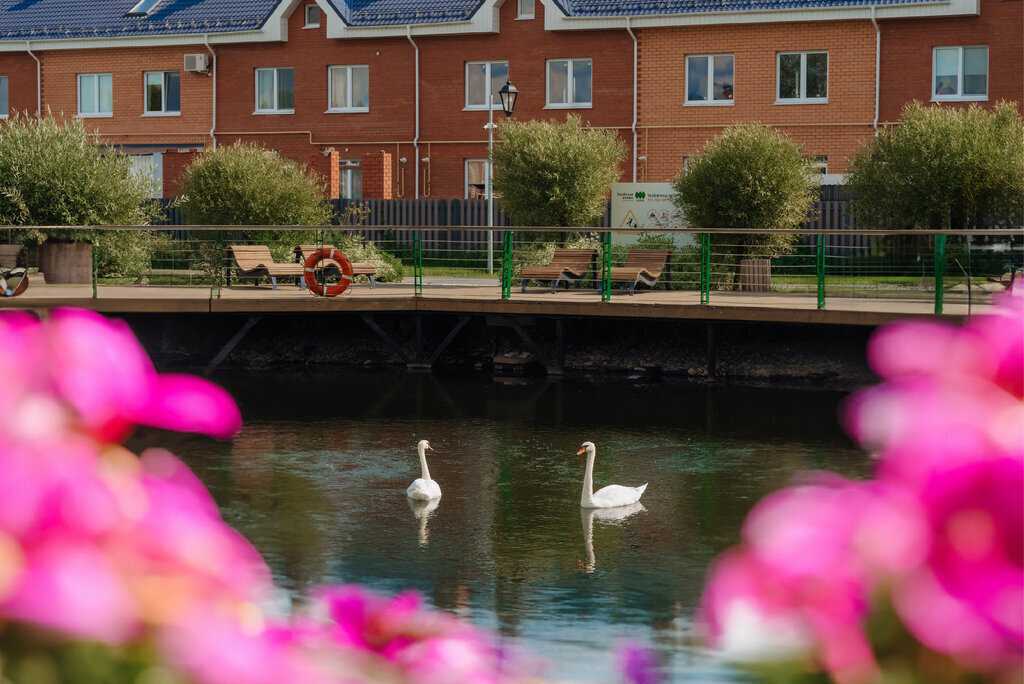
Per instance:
{"type": "Point", "coordinates": [197, 62]}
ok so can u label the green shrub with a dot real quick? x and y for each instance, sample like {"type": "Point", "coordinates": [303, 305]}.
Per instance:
{"type": "Point", "coordinates": [555, 174]}
{"type": "Point", "coordinates": [942, 165]}
{"type": "Point", "coordinates": [52, 173]}
{"type": "Point", "coordinates": [751, 176]}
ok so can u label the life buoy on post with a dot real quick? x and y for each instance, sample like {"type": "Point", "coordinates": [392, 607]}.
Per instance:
{"type": "Point", "coordinates": [310, 272]}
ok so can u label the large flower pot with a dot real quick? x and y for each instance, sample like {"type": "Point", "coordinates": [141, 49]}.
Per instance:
{"type": "Point", "coordinates": [66, 262]}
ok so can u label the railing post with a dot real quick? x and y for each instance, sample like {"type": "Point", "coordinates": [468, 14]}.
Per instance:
{"type": "Point", "coordinates": [606, 266]}
{"type": "Point", "coordinates": [219, 264]}
{"type": "Point", "coordinates": [506, 266]}
{"type": "Point", "coordinates": [94, 258]}
{"type": "Point", "coordinates": [940, 269]}
{"type": "Point", "coordinates": [418, 263]}
{"type": "Point", "coordinates": [705, 268]}
{"type": "Point", "coordinates": [821, 270]}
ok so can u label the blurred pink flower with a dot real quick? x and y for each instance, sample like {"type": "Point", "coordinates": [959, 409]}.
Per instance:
{"type": "Point", "coordinates": [637, 664]}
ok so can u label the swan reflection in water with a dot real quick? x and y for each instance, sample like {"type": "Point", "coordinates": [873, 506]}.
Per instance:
{"type": "Point", "coordinates": [614, 515]}
{"type": "Point", "coordinates": [422, 510]}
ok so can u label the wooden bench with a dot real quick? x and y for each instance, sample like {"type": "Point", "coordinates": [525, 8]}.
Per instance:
{"type": "Point", "coordinates": [9, 255]}
{"type": "Point", "coordinates": [303, 252]}
{"type": "Point", "coordinates": [642, 266]}
{"type": "Point", "coordinates": [567, 263]}
{"type": "Point", "coordinates": [256, 261]}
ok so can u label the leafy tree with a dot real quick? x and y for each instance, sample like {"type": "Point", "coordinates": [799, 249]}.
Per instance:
{"type": "Point", "coordinates": [52, 173]}
{"type": "Point", "coordinates": [246, 185]}
{"type": "Point", "coordinates": [750, 176]}
{"type": "Point", "coordinates": [940, 164]}
{"type": "Point", "coordinates": [555, 174]}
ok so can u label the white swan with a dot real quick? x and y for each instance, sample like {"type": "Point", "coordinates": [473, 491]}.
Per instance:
{"type": "Point", "coordinates": [423, 488]}
{"type": "Point", "coordinates": [606, 497]}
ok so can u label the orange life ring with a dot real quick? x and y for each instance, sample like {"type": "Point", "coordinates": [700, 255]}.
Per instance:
{"type": "Point", "coordinates": [343, 263]}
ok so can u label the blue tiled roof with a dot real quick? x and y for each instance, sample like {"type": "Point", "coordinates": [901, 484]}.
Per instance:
{"type": "Point", "coordinates": [56, 19]}
{"type": "Point", "coordinates": [400, 12]}
{"type": "Point", "coordinates": [636, 8]}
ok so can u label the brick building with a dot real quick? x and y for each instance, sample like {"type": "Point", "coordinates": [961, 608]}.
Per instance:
{"type": "Point", "coordinates": [390, 100]}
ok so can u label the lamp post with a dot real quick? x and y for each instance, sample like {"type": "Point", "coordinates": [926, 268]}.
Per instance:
{"type": "Point", "coordinates": [507, 95]}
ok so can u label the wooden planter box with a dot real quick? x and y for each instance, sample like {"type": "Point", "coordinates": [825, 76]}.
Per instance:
{"type": "Point", "coordinates": [66, 262]}
{"type": "Point", "coordinates": [755, 275]}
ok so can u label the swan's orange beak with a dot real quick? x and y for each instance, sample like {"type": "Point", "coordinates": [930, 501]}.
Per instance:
{"type": "Point", "coordinates": [580, 452]}
{"type": "Point", "coordinates": [430, 447]}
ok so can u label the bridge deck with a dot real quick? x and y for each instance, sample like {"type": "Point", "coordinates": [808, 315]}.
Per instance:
{"type": "Point", "coordinates": [486, 299]}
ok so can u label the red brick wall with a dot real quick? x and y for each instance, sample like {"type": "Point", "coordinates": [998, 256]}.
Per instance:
{"type": "Point", "coordinates": [174, 164]}
{"type": "Point", "coordinates": [448, 135]}
{"type": "Point", "coordinates": [20, 70]}
{"type": "Point", "coordinates": [907, 54]}
{"type": "Point", "coordinates": [670, 131]}
{"type": "Point", "coordinates": [128, 125]}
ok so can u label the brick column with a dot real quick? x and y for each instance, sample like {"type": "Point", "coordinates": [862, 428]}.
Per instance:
{"type": "Point", "coordinates": [377, 183]}
{"type": "Point", "coordinates": [327, 166]}
{"type": "Point", "coordinates": [174, 163]}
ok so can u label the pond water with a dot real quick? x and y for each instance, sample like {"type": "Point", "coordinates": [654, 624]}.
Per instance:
{"type": "Point", "coordinates": [316, 480]}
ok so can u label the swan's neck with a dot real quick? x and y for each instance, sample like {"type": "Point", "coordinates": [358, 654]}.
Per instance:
{"type": "Point", "coordinates": [423, 464]}
{"type": "Point", "coordinates": [588, 480]}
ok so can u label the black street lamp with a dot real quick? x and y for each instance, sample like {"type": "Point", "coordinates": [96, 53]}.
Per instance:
{"type": "Point", "coordinates": [508, 95]}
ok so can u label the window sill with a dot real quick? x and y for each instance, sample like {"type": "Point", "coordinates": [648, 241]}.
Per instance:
{"type": "Point", "coordinates": [482, 108]}
{"type": "Point", "coordinates": [349, 110]}
{"type": "Point", "coordinates": [161, 114]}
{"type": "Point", "coordinates": [959, 98]}
{"type": "Point", "coordinates": [525, 17]}
{"type": "Point", "coordinates": [588, 105]}
{"type": "Point", "coordinates": [711, 103]}
{"type": "Point", "coordinates": [311, 26]}
{"type": "Point", "coordinates": [802, 102]}
{"type": "Point", "coordinates": [267, 112]}
{"type": "Point", "coordinates": [101, 115]}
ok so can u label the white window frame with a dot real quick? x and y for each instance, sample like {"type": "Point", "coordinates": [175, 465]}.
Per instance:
{"type": "Point", "coordinates": [6, 81]}
{"type": "Point", "coordinates": [305, 15]}
{"type": "Point", "coordinates": [345, 169]}
{"type": "Point", "coordinates": [496, 101]}
{"type": "Point", "coordinates": [98, 114]}
{"type": "Point", "coordinates": [346, 69]}
{"type": "Point", "coordinates": [521, 6]}
{"type": "Point", "coordinates": [487, 175]}
{"type": "Point", "coordinates": [256, 88]}
{"type": "Point", "coordinates": [959, 96]}
{"type": "Point", "coordinates": [802, 98]}
{"type": "Point", "coordinates": [163, 111]}
{"type": "Point", "coordinates": [570, 87]}
{"type": "Point", "coordinates": [710, 101]}
{"type": "Point", "coordinates": [820, 162]}
{"type": "Point", "coordinates": [144, 8]}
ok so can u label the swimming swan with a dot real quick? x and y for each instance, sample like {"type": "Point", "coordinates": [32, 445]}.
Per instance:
{"type": "Point", "coordinates": [423, 488]}
{"type": "Point", "coordinates": [606, 497]}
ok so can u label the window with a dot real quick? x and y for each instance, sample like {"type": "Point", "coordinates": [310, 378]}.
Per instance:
{"type": "Point", "coordinates": [478, 75]}
{"type": "Point", "coordinates": [820, 163]}
{"type": "Point", "coordinates": [348, 88]}
{"type": "Point", "coordinates": [960, 73]}
{"type": "Point", "coordinates": [569, 82]}
{"type": "Point", "coordinates": [95, 95]}
{"type": "Point", "coordinates": [350, 181]}
{"type": "Point", "coordinates": [312, 16]}
{"type": "Point", "coordinates": [524, 9]}
{"type": "Point", "coordinates": [163, 92]}
{"type": "Point", "coordinates": [275, 90]}
{"type": "Point", "coordinates": [144, 8]}
{"type": "Point", "coordinates": [476, 179]}
{"type": "Point", "coordinates": [149, 166]}
{"type": "Point", "coordinates": [803, 77]}
{"type": "Point", "coordinates": [709, 79]}
{"type": "Point", "coordinates": [5, 102]}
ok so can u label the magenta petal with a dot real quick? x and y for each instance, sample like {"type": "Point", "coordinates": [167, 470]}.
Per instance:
{"type": "Point", "coordinates": [99, 368]}
{"type": "Point", "coordinates": [189, 404]}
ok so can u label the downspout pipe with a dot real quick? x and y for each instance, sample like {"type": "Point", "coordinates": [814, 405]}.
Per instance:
{"type": "Point", "coordinates": [39, 80]}
{"type": "Point", "coordinates": [633, 126]}
{"type": "Point", "coordinates": [213, 122]}
{"type": "Point", "coordinates": [878, 62]}
{"type": "Point", "coordinates": [416, 137]}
